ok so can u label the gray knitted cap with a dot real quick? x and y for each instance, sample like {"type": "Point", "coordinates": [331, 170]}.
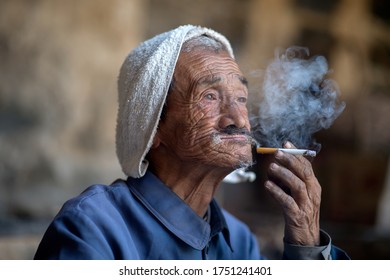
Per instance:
{"type": "Point", "coordinates": [143, 85]}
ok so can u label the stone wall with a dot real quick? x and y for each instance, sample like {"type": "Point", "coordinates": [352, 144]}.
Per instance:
{"type": "Point", "coordinates": [59, 62]}
{"type": "Point", "coordinates": [59, 65]}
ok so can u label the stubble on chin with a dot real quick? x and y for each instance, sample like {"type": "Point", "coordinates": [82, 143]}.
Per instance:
{"type": "Point", "coordinates": [233, 155]}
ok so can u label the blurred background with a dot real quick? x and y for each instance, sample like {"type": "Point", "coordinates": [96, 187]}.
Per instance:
{"type": "Point", "coordinates": [59, 61]}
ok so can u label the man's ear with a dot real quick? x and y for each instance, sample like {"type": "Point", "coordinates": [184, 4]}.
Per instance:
{"type": "Point", "coordinates": [156, 141]}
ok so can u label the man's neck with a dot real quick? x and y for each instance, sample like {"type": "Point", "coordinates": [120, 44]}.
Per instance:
{"type": "Point", "coordinates": [195, 184]}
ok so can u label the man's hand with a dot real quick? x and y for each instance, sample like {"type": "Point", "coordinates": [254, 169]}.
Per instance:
{"type": "Point", "coordinates": [293, 184]}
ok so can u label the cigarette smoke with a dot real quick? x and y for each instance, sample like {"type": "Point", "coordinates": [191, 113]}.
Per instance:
{"type": "Point", "coordinates": [297, 100]}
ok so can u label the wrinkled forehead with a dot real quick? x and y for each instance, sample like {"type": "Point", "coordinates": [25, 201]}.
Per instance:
{"type": "Point", "coordinates": [204, 65]}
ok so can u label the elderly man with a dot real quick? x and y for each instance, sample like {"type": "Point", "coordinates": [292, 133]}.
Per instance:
{"type": "Point", "coordinates": [182, 128]}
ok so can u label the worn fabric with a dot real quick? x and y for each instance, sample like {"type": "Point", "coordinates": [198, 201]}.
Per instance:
{"type": "Point", "coordinates": [142, 219]}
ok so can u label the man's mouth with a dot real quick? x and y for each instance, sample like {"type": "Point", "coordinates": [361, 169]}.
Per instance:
{"type": "Point", "coordinates": [235, 137]}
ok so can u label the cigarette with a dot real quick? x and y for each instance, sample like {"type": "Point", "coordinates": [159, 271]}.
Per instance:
{"type": "Point", "coordinates": [301, 152]}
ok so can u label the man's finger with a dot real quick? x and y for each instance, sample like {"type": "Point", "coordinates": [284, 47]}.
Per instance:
{"type": "Point", "coordinates": [286, 201]}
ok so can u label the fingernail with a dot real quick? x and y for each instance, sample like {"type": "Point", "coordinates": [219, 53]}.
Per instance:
{"type": "Point", "coordinates": [279, 154]}
{"type": "Point", "coordinates": [288, 144]}
{"type": "Point", "coordinates": [274, 166]}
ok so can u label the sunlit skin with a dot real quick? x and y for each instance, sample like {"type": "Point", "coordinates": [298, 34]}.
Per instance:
{"type": "Point", "coordinates": [192, 154]}
{"type": "Point", "coordinates": [301, 209]}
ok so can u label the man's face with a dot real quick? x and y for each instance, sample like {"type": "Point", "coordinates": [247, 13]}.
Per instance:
{"type": "Point", "coordinates": [207, 117]}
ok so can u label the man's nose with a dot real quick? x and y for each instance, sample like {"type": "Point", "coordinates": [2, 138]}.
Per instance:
{"type": "Point", "coordinates": [232, 115]}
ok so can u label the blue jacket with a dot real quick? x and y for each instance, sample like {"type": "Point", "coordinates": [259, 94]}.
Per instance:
{"type": "Point", "coordinates": [143, 219]}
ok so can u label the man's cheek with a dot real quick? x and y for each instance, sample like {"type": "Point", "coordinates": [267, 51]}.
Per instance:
{"type": "Point", "coordinates": [200, 136]}
{"type": "Point", "coordinates": [245, 115]}
{"type": "Point", "coordinates": [207, 111]}
{"type": "Point", "coordinates": [202, 124]}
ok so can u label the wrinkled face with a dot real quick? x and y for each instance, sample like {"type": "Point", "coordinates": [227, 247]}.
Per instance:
{"type": "Point", "coordinates": [207, 118]}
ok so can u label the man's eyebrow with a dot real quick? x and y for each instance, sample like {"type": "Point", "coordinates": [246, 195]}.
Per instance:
{"type": "Point", "coordinates": [243, 80]}
{"type": "Point", "coordinates": [209, 80]}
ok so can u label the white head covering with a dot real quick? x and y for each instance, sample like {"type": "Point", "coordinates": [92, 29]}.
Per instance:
{"type": "Point", "coordinates": [143, 85]}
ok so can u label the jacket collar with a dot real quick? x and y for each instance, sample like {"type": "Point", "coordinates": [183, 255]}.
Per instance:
{"type": "Point", "coordinates": [176, 215]}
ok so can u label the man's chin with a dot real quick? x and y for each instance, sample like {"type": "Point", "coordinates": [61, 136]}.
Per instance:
{"type": "Point", "coordinates": [237, 163]}
{"type": "Point", "coordinates": [234, 158]}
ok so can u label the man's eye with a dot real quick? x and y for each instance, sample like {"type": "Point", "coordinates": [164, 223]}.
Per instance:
{"type": "Point", "coordinates": [210, 96]}
{"type": "Point", "coordinates": [242, 99]}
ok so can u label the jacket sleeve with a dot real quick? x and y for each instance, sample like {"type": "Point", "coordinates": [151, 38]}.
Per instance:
{"type": "Point", "coordinates": [326, 251]}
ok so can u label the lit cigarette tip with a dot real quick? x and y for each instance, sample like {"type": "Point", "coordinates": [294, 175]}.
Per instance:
{"type": "Point", "coordinates": [302, 152]}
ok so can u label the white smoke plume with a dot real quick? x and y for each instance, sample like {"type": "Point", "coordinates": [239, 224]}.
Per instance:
{"type": "Point", "coordinates": [297, 100]}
